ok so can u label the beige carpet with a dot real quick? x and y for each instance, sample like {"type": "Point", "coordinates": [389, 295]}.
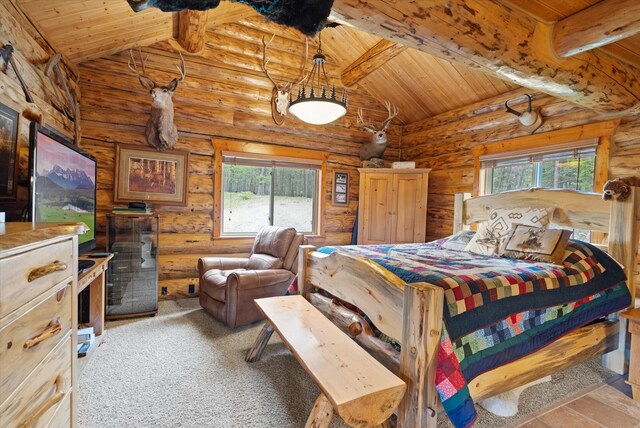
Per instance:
{"type": "Point", "coordinates": [182, 368]}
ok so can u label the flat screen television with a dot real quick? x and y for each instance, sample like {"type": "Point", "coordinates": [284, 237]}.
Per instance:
{"type": "Point", "coordinates": [63, 183]}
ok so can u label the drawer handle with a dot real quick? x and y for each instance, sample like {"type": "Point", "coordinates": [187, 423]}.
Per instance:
{"type": "Point", "coordinates": [45, 270]}
{"type": "Point", "coordinates": [53, 328]}
{"type": "Point", "coordinates": [51, 401]}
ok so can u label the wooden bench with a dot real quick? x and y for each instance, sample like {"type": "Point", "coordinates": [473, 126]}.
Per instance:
{"type": "Point", "coordinates": [354, 384]}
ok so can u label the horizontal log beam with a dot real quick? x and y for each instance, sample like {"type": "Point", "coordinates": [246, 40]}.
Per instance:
{"type": "Point", "coordinates": [381, 53]}
{"type": "Point", "coordinates": [502, 41]}
{"type": "Point", "coordinates": [603, 23]}
{"type": "Point", "coordinates": [192, 28]}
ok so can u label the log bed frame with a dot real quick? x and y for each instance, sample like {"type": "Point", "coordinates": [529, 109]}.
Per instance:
{"type": "Point", "coordinates": [411, 314]}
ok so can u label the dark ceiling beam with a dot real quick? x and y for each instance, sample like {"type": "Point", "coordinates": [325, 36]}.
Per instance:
{"type": "Point", "coordinates": [601, 24]}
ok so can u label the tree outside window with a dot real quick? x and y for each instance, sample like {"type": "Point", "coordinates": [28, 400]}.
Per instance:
{"type": "Point", "coordinates": [256, 195]}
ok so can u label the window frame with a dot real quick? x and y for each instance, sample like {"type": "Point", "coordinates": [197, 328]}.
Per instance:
{"type": "Point", "coordinates": [268, 152]}
{"type": "Point", "coordinates": [550, 141]}
{"type": "Point", "coordinates": [486, 173]}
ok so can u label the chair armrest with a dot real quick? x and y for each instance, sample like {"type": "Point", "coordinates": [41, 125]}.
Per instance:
{"type": "Point", "coordinates": [222, 263]}
{"type": "Point", "coordinates": [249, 279]}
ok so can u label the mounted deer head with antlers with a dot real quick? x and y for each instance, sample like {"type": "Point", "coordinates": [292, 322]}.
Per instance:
{"type": "Point", "coordinates": [161, 131]}
{"type": "Point", "coordinates": [530, 119]}
{"type": "Point", "coordinates": [281, 94]}
{"type": "Point", "coordinates": [375, 148]}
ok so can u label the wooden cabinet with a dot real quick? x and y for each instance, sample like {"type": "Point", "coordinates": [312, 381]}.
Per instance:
{"type": "Point", "coordinates": [393, 205]}
{"type": "Point", "coordinates": [38, 320]}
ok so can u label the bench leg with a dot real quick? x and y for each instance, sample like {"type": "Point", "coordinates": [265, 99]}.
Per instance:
{"type": "Point", "coordinates": [261, 342]}
{"type": "Point", "coordinates": [321, 414]}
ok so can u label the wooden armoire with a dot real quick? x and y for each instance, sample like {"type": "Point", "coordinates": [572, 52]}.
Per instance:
{"type": "Point", "coordinates": [393, 205]}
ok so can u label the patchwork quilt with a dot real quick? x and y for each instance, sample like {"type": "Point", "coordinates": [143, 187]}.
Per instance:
{"type": "Point", "coordinates": [497, 309]}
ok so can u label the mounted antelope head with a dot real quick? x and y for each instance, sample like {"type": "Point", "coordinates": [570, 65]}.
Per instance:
{"type": "Point", "coordinates": [375, 147]}
{"type": "Point", "coordinates": [527, 118]}
{"type": "Point", "coordinates": [281, 94]}
{"type": "Point", "coordinates": [160, 131]}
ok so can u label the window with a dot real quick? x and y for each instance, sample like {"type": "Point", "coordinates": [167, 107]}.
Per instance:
{"type": "Point", "coordinates": [262, 192]}
{"type": "Point", "coordinates": [564, 169]}
{"type": "Point", "coordinates": [570, 158]}
{"type": "Point", "coordinates": [259, 184]}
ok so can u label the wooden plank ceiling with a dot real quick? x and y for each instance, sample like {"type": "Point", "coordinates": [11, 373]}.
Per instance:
{"type": "Point", "coordinates": [419, 84]}
{"type": "Point", "coordinates": [88, 29]}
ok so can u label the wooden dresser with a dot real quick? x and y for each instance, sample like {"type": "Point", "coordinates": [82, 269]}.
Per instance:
{"type": "Point", "coordinates": [393, 205]}
{"type": "Point", "coordinates": [38, 318]}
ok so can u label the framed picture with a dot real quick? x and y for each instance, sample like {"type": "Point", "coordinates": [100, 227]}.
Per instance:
{"type": "Point", "coordinates": [149, 175]}
{"type": "Point", "coordinates": [340, 188]}
{"type": "Point", "coordinates": [9, 156]}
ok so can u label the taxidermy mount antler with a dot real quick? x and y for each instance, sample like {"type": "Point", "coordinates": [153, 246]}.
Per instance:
{"type": "Point", "coordinates": [527, 118]}
{"type": "Point", "coordinates": [281, 95]}
{"type": "Point", "coordinates": [375, 147]}
{"type": "Point", "coordinates": [69, 98]}
{"type": "Point", "coordinates": [161, 132]}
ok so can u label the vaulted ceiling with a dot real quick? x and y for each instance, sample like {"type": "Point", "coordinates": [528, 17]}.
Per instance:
{"type": "Point", "coordinates": [420, 84]}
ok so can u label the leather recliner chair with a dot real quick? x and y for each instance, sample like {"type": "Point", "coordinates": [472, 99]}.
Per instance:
{"type": "Point", "coordinates": [229, 285]}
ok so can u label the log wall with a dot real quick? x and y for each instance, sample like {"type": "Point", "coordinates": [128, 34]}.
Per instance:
{"type": "Point", "coordinates": [225, 94]}
{"type": "Point", "coordinates": [31, 54]}
{"type": "Point", "coordinates": [443, 143]}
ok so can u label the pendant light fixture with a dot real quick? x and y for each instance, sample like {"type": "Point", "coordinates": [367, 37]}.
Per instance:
{"type": "Point", "coordinates": [317, 102]}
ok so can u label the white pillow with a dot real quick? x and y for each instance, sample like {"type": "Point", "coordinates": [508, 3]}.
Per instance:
{"type": "Point", "coordinates": [459, 241]}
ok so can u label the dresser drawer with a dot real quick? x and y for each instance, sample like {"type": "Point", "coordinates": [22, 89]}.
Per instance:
{"type": "Point", "coordinates": [62, 418]}
{"type": "Point", "coordinates": [31, 337]}
{"type": "Point", "coordinates": [25, 276]}
{"type": "Point", "coordinates": [44, 393]}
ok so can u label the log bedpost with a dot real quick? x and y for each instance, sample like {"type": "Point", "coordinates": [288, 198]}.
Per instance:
{"type": "Point", "coordinates": [304, 288]}
{"type": "Point", "coordinates": [623, 234]}
{"type": "Point", "coordinates": [458, 211]}
{"type": "Point", "coordinates": [623, 242]}
{"type": "Point", "coordinates": [422, 325]}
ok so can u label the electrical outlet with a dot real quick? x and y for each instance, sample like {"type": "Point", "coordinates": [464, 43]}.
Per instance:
{"type": "Point", "coordinates": [192, 288]}
{"type": "Point", "coordinates": [163, 291]}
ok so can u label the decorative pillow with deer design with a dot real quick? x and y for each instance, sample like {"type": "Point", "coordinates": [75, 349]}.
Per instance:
{"type": "Point", "coordinates": [484, 242]}
{"type": "Point", "coordinates": [535, 243]}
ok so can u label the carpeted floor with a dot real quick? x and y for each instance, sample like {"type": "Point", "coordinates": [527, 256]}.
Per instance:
{"type": "Point", "coordinates": [182, 368]}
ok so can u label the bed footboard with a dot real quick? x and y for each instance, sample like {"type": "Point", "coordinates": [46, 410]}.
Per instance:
{"type": "Point", "coordinates": [410, 314]}
{"type": "Point", "coordinates": [355, 280]}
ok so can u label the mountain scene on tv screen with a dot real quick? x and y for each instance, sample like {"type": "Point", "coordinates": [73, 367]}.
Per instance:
{"type": "Point", "coordinates": [66, 195]}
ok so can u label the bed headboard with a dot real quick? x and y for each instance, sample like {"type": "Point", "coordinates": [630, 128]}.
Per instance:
{"type": "Point", "coordinates": [573, 209]}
